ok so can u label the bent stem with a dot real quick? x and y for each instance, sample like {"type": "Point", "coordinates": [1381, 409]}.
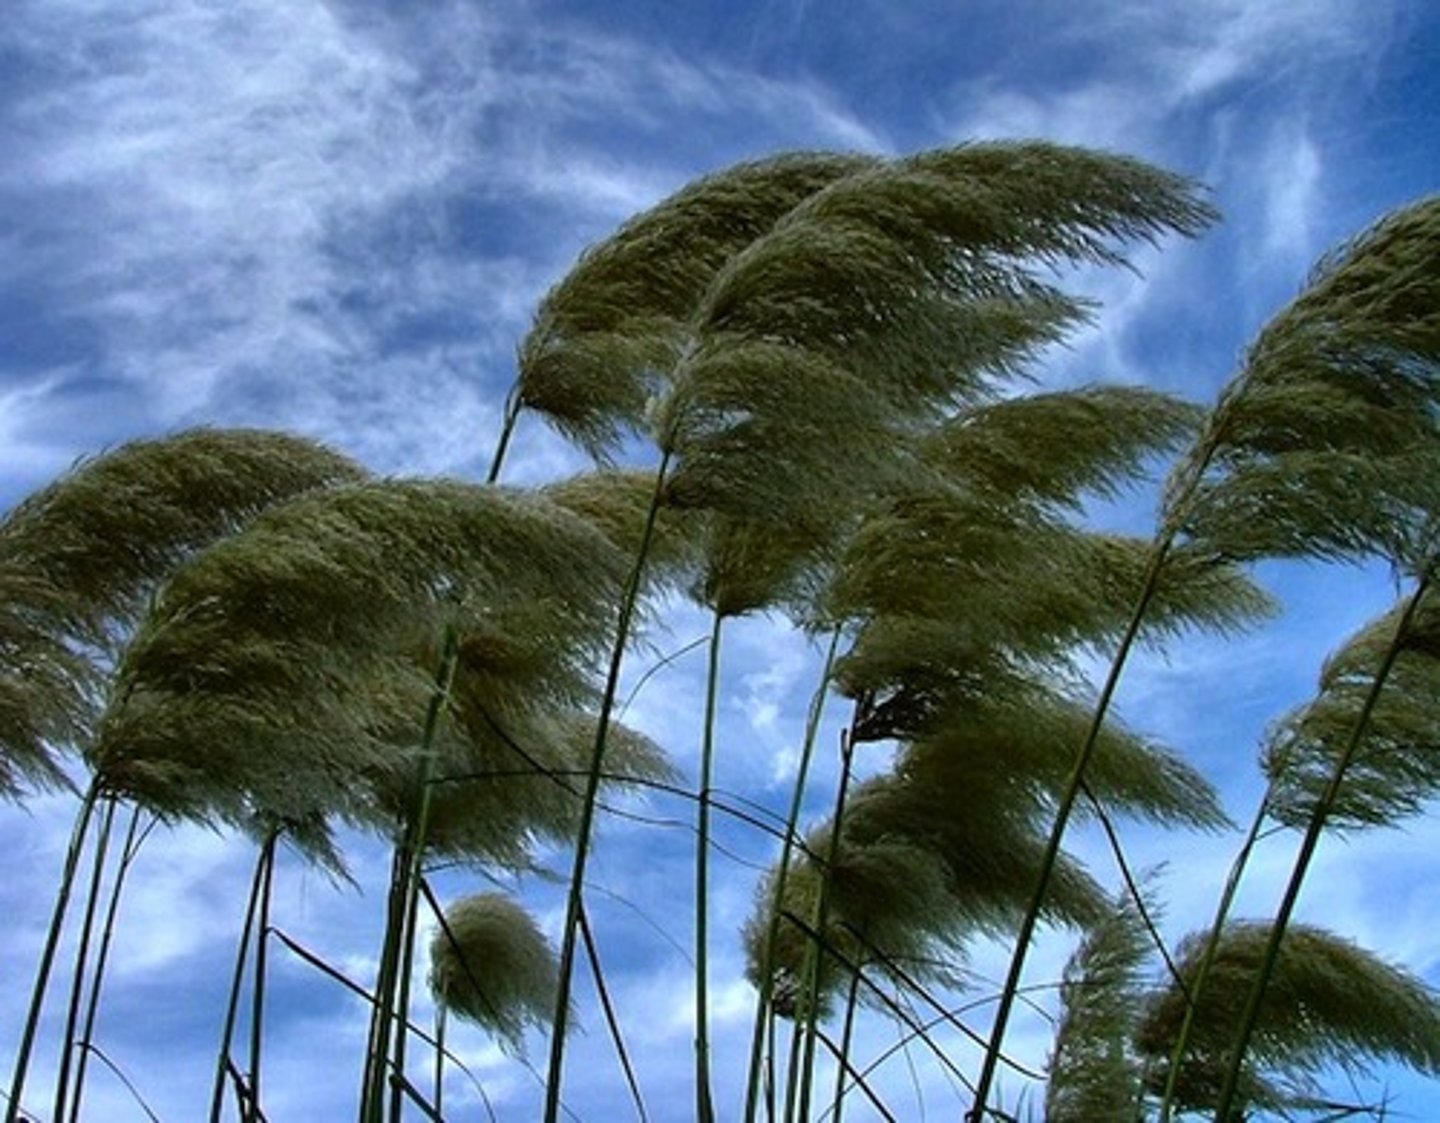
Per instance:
{"type": "Point", "coordinates": [47, 954]}
{"type": "Point", "coordinates": [1207, 959]}
{"type": "Point", "coordinates": [508, 420]}
{"type": "Point", "coordinates": [815, 953]}
{"type": "Point", "coordinates": [763, 1020]}
{"type": "Point", "coordinates": [704, 1110]}
{"type": "Point", "coordinates": [1318, 817]}
{"type": "Point", "coordinates": [1071, 794]}
{"type": "Point", "coordinates": [575, 899]}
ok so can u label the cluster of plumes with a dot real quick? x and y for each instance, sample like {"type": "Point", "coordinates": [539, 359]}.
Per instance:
{"type": "Point", "coordinates": [1330, 1004]}
{"type": "Point", "coordinates": [1324, 446]}
{"type": "Point", "coordinates": [243, 628]}
{"type": "Point", "coordinates": [81, 558]}
{"type": "Point", "coordinates": [283, 676]}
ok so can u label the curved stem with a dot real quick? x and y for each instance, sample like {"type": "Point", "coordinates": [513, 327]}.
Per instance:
{"type": "Point", "coordinates": [815, 958]}
{"type": "Point", "coordinates": [763, 1019]}
{"type": "Point", "coordinates": [102, 958]}
{"type": "Point", "coordinates": [1050, 858]}
{"type": "Point", "coordinates": [575, 898]}
{"type": "Point", "coordinates": [511, 415]}
{"type": "Point", "coordinates": [1318, 817]}
{"type": "Point", "coordinates": [47, 954]}
{"type": "Point", "coordinates": [82, 956]}
{"type": "Point", "coordinates": [1207, 958]}
{"type": "Point", "coordinates": [704, 1109]}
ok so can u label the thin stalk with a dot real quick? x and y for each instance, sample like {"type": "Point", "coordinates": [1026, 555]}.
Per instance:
{"type": "Point", "coordinates": [575, 899]}
{"type": "Point", "coordinates": [257, 1006]}
{"type": "Point", "coordinates": [1207, 958]}
{"type": "Point", "coordinates": [47, 954]}
{"type": "Point", "coordinates": [394, 999]}
{"type": "Point", "coordinates": [237, 981]}
{"type": "Point", "coordinates": [102, 958]}
{"type": "Point", "coordinates": [1308, 844]}
{"type": "Point", "coordinates": [82, 956]}
{"type": "Point", "coordinates": [817, 950]}
{"type": "Point", "coordinates": [847, 1036]}
{"type": "Point", "coordinates": [814, 963]}
{"type": "Point", "coordinates": [372, 1086]}
{"type": "Point", "coordinates": [1073, 788]}
{"type": "Point", "coordinates": [612, 1019]}
{"type": "Point", "coordinates": [511, 415]}
{"type": "Point", "coordinates": [845, 1068]}
{"type": "Point", "coordinates": [442, 1015]}
{"type": "Point", "coordinates": [704, 1109]}
{"type": "Point", "coordinates": [763, 1014]}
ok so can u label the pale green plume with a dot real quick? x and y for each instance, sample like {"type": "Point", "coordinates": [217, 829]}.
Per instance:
{"type": "Point", "coordinates": [606, 336]}
{"type": "Point", "coordinates": [1325, 444]}
{"type": "Point", "coordinates": [1329, 1004]}
{"type": "Point", "coordinates": [286, 668]}
{"type": "Point", "coordinates": [491, 964]}
{"type": "Point", "coordinates": [1094, 1071]}
{"type": "Point", "coordinates": [1396, 766]}
{"type": "Point", "coordinates": [80, 559]}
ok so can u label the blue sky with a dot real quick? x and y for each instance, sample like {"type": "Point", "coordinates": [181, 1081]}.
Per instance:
{"type": "Point", "coordinates": [337, 218]}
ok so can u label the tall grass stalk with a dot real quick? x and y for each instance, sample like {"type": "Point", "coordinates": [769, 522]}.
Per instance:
{"type": "Point", "coordinates": [223, 1059]}
{"type": "Point", "coordinates": [1313, 830]}
{"type": "Point", "coordinates": [133, 839]}
{"type": "Point", "coordinates": [47, 955]}
{"type": "Point", "coordinates": [1212, 945]}
{"type": "Point", "coordinates": [398, 952]}
{"type": "Point", "coordinates": [80, 975]}
{"type": "Point", "coordinates": [811, 986]}
{"type": "Point", "coordinates": [704, 1107]}
{"type": "Point", "coordinates": [257, 995]}
{"type": "Point", "coordinates": [1068, 798]}
{"type": "Point", "coordinates": [842, 1059]}
{"type": "Point", "coordinates": [764, 1022]}
{"type": "Point", "coordinates": [629, 604]}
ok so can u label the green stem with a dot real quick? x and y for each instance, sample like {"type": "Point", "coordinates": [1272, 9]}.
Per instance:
{"type": "Point", "coordinates": [82, 956]}
{"type": "Point", "coordinates": [704, 1109]}
{"type": "Point", "coordinates": [237, 980]}
{"type": "Point", "coordinates": [612, 1018]}
{"type": "Point", "coordinates": [815, 958]}
{"type": "Point", "coordinates": [508, 420]}
{"type": "Point", "coordinates": [847, 1036]}
{"type": "Point", "coordinates": [47, 954]}
{"type": "Point", "coordinates": [394, 996]}
{"type": "Point", "coordinates": [1318, 817]}
{"type": "Point", "coordinates": [102, 958]}
{"type": "Point", "coordinates": [441, 1020]}
{"type": "Point", "coordinates": [1069, 797]}
{"type": "Point", "coordinates": [575, 898]}
{"type": "Point", "coordinates": [257, 1006]}
{"type": "Point", "coordinates": [1207, 958]}
{"type": "Point", "coordinates": [764, 1019]}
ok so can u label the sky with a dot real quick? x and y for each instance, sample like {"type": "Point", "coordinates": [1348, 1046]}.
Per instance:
{"type": "Point", "coordinates": [337, 218]}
